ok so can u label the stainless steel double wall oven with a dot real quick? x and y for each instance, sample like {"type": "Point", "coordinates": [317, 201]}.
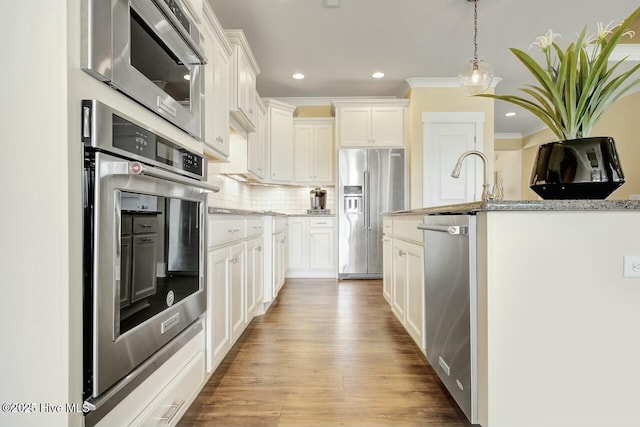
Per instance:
{"type": "Point", "coordinates": [144, 249]}
{"type": "Point", "coordinates": [151, 51]}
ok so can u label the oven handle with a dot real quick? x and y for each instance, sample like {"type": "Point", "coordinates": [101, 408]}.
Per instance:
{"type": "Point", "coordinates": [137, 168]}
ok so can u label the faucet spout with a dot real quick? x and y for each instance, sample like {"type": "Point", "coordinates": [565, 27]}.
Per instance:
{"type": "Point", "coordinates": [487, 192]}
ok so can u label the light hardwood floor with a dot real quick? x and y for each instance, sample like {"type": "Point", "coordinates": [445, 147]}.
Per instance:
{"type": "Point", "coordinates": [327, 353]}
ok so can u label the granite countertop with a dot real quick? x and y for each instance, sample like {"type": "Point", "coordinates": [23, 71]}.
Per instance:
{"type": "Point", "coordinates": [211, 210]}
{"type": "Point", "coordinates": [525, 205]}
{"type": "Point", "coordinates": [314, 215]}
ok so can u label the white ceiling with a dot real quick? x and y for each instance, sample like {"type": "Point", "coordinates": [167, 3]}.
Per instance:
{"type": "Point", "coordinates": [338, 49]}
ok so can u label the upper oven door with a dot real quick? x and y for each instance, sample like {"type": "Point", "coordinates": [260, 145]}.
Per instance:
{"type": "Point", "coordinates": [149, 56]}
{"type": "Point", "coordinates": [149, 267]}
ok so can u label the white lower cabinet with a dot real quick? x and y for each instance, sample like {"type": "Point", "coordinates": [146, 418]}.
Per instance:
{"type": "Point", "coordinates": [311, 250]}
{"type": "Point", "coordinates": [219, 333]}
{"type": "Point", "coordinates": [164, 397]}
{"type": "Point", "coordinates": [237, 284]}
{"type": "Point", "coordinates": [254, 277]}
{"type": "Point", "coordinates": [403, 276]}
{"type": "Point", "coordinates": [167, 409]}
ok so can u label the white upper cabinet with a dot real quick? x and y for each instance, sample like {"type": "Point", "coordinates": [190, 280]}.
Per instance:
{"type": "Point", "coordinates": [314, 151]}
{"type": "Point", "coordinates": [216, 85]}
{"type": "Point", "coordinates": [365, 123]}
{"type": "Point", "coordinates": [257, 142]}
{"type": "Point", "coordinates": [280, 141]}
{"type": "Point", "coordinates": [244, 70]}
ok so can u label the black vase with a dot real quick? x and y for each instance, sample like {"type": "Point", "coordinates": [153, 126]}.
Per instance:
{"type": "Point", "coordinates": [583, 168]}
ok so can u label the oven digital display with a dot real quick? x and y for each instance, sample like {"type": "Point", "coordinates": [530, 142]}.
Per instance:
{"type": "Point", "coordinates": [141, 142]}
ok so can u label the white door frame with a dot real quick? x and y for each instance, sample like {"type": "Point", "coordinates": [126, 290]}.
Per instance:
{"type": "Point", "coordinates": [430, 118]}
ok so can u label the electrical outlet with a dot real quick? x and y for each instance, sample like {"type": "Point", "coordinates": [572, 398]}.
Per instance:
{"type": "Point", "coordinates": [631, 266]}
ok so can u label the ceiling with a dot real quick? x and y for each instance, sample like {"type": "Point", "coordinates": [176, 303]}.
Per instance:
{"type": "Point", "coordinates": [338, 49]}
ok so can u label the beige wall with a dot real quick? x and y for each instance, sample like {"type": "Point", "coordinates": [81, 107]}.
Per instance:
{"type": "Point", "coordinates": [508, 170]}
{"type": "Point", "coordinates": [314, 111]}
{"type": "Point", "coordinates": [441, 100]}
{"type": "Point", "coordinates": [622, 122]}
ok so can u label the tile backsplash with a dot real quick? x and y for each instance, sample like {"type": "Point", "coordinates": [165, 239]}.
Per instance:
{"type": "Point", "coordinates": [289, 200]}
{"type": "Point", "coordinates": [239, 195]}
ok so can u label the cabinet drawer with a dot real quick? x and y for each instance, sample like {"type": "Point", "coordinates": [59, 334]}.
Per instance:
{"type": "Point", "coordinates": [321, 222]}
{"type": "Point", "coordinates": [279, 224]}
{"type": "Point", "coordinates": [176, 398]}
{"type": "Point", "coordinates": [145, 224]}
{"type": "Point", "coordinates": [407, 228]}
{"type": "Point", "coordinates": [226, 230]}
{"type": "Point", "coordinates": [255, 226]}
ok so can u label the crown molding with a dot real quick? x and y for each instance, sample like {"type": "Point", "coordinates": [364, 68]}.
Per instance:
{"type": "Point", "coordinates": [237, 37]}
{"type": "Point", "coordinates": [441, 82]}
{"type": "Point", "coordinates": [328, 101]}
{"type": "Point", "coordinates": [512, 135]}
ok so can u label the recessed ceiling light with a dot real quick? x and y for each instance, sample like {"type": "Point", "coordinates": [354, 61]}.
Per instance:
{"type": "Point", "coordinates": [187, 76]}
{"type": "Point", "coordinates": [377, 75]}
{"type": "Point", "coordinates": [510, 114]}
{"type": "Point", "coordinates": [298, 76]}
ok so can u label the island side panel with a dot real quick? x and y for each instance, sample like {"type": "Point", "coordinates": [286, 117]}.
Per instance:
{"type": "Point", "coordinates": [561, 324]}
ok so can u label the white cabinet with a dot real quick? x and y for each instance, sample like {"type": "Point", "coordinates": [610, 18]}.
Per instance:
{"type": "Point", "coordinates": [254, 281]}
{"type": "Point", "coordinates": [279, 260]}
{"type": "Point", "coordinates": [314, 151]}
{"type": "Point", "coordinates": [219, 329]}
{"type": "Point", "coordinates": [244, 70]}
{"type": "Point", "coordinates": [216, 86]}
{"type": "Point", "coordinates": [414, 288]}
{"type": "Point", "coordinates": [403, 273]}
{"type": "Point", "coordinates": [235, 280]}
{"type": "Point", "coordinates": [280, 141]}
{"type": "Point", "coordinates": [237, 291]}
{"type": "Point", "coordinates": [311, 247]}
{"type": "Point", "coordinates": [367, 123]}
{"type": "Point", "coordinates": [257, 142]}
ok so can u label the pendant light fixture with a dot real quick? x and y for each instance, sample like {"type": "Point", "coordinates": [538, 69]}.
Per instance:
{"type": "Point", "coordinates": [476, 77]}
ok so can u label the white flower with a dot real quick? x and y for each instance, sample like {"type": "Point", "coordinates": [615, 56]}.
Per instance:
{"type": "Point", "coordinates": [545, 41]}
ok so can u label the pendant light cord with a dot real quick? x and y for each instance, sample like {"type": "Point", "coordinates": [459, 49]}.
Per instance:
{"type": "Point", "coordinates": [475, 33]}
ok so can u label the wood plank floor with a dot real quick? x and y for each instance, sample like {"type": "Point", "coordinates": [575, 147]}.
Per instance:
{"type": "Point", "coordinates": [327, 353]}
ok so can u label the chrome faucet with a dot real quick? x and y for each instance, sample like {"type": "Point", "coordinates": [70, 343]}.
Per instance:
{"type": "Point", "coordinates": [487, 192]}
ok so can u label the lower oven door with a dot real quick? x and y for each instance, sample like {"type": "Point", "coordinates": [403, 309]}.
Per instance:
{"type": "Point", "coordinates": [148, 266]}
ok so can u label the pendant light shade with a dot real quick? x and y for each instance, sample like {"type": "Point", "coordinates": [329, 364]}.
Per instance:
{"type": "Point", "coordinates": [476, 77]}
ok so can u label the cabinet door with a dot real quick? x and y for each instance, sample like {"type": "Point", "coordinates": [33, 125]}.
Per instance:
{"type": "Point", "coordinates": [237, 284]}
{"type": "Point", "coordinates": [243, 74]}
{"type": "Point", "coordinates": [414, 312]}
{"type": "Point", "coordinates": [387, 126]}
{"type": "Point", "coordinates": [387, 268]}
{"type": "Point", "coordinates": [125, 271]}
{"type": "Point", "coordinates": [321, 248]}
{"type": "Point", "coordinates": [216, 86]}
{"type": "Point", "coordinates": [250, 298]}
{"type": "Point", "coordinates": [399, 280]}
{"type": "Point", "coordinates": [304, 153]}
{"type": "Point", "coordinates": [354, 128]}
{"type": "Point", "coordinates": [143, 267]}
{"type": "Point", "coordinates": [281, 144]}
{"type": "Point", "coordinates": [298, 255]}
{"type": "Point", "coordinates": [251, 94]}
{"type": "Point", "coordinates": [256, 142]}
{"type": "Point", "coordinates": [259, 272]}
{"type": "Point", "coordinates": [323, 154]}
{"type": "Point", "coordinates": [219, 335]}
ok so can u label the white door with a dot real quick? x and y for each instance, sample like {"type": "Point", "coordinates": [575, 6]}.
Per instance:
{"type": "Point", "coordinates": [298, 255]}
{"type": "Point", "coordinates": [237, 292]}
{"type": "Point", "coordinates": [321, 248]}
{"type": "Point", "coordinates": [281, 142]}
{"type": "Point", "coordinates": [219, 336]}
{"type": "Point", "coordinates": [446, 137]}
{"type": "Point", "coordinates": [415, 293]}
{"type": "Point", "coordinates": [354, 128]}
{"type": "Point", "coordinates": [323, 153]}
{"type": "Point", "coordinates": [303, 144]}
{"type": "Point", "coordinates": [387, 126]}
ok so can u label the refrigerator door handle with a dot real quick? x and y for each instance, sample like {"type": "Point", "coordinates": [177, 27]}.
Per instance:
{"type": "Point", "coordinates": [367, 200]}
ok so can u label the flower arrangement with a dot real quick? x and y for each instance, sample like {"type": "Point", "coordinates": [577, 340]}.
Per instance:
{"type": "Point", "coordinates": [576, 86]}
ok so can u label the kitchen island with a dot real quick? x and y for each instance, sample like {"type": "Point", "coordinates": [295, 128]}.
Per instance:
{"type": "Point", "coordinates": [558, 323]}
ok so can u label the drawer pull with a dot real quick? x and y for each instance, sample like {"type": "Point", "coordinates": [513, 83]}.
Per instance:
{"type": "Point", "coordinates": [145, 225]}
{"type": "Point", "coordinates": [321, 223]}
{"type": "Point", "coordinates": [257, 227]}
{"type": "Point", "coordinates": [172, 412]}
{"type": "Point", "coordinates": [234, 230]}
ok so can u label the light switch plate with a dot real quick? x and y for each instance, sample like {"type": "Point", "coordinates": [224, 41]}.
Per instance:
{"type": "Point", "coordinates": [631, 266]}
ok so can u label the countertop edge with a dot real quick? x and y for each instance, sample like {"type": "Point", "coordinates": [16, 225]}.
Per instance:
{"type": "Point", "coordinates": [524, 205]}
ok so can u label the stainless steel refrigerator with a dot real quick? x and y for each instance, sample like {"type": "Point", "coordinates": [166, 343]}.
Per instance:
{"type": "Point", "coordinates": [371, 182]}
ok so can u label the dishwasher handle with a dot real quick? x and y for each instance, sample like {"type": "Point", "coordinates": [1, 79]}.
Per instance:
{"type": "Point", "coordinates": [451, 229]}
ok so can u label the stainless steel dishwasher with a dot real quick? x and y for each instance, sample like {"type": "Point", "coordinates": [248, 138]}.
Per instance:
{"type": "Point", "coordinates": [450, 305]}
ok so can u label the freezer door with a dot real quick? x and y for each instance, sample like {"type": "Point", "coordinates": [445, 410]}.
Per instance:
{"type": "Point", "coordinates": [384, 191]}
{"type": "Point", "coordinates": [352, 252]}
